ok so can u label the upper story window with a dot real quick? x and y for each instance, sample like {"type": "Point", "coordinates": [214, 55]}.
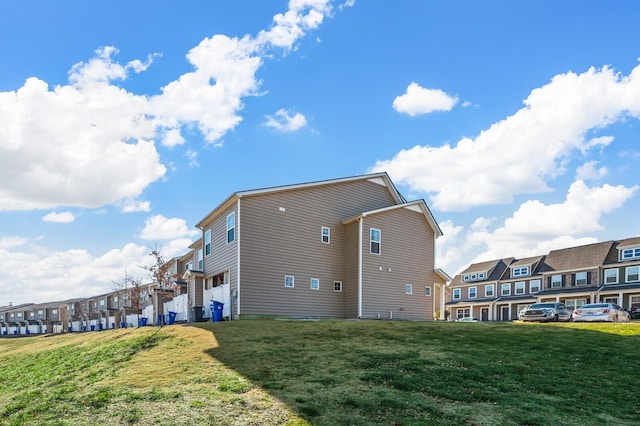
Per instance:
{"type": "Point", "coordinates": [289, 281]}
{"type": "Point", "coordinates": [427, 291]}
{"type": "Point", "coordinates": [101, 302]}
{"type": "Point", "coordinates": [534, 286]}
{"type": "Point", "coordinates": [207, 242]}
{"type": "Point", "coordinates": [32, 314]}
{"type": "Point", "coordinates": [633, 273]}
{"type": "Point", "coordinates": [505, 290]}
{"type": "Point", "coordinates": [630, 253]}
{"type": "Point", "coordinates": [489, 290]}
{"type": "Point", "coordinates": [315, 284]}
{"type": "Point", "coordinates": [474, 276]}
{"type": "Point", "coordinates": [456, 294]}
{"type": "Point", "coordinates": [188, 266]}
{"type": "Point", "coordinates": [473, 292]}
{"type": "Point", "coordinates": [581, 278]}
{"type": "Point", "coordinates": [325, 234]}
{"type": "Point", "coordinates": [611, 276]}
{"type": "Point", "coordinates": [231, 227]}
{"type": "Point", "coordinates": [374, 238]}
{"type": "Point", "coordinates": [408, 289]}
{"type": "Point", "coordinates": [200, 260]}
{"type": "Point", "coordinates": [556, 281]}
{"type": "Point", "coordinates": [521, 271]}
{"type": "Point", "coordinates": [337, 286]}
{"type": "Point", "coordinates": [520, 287]}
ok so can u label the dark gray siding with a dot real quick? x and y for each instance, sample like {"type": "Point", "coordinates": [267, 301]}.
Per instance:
{"type": "Point", "coordinates": [406, 257]}
{"type": "Point", "coordinates": [281, 235]}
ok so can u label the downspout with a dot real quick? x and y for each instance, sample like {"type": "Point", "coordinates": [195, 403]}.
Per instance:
{"type": "Point", "coordinates": [360, 267]}
{"type": "Point", "coordinates": [238, 267]}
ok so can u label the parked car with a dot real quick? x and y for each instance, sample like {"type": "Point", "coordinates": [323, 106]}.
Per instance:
{"type": "Point", "coordinates": [601, 312]}
{"type": "Point", "coordinates": [548, 311]}
{"type": "Point", "coordinates": [467, 319]}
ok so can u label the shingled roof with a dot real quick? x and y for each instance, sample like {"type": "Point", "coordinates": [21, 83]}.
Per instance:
{"type": "Point", "coordinates": [580, 257]}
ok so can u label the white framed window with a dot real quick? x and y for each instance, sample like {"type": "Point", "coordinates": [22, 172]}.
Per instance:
{"type": "Point", "coordinates": [188, 266]}
{"type": "Point", "coordinates": [32, 315]}
{"type": "Point", "coordinates": [481, 276]}
{"type": "Point", "coordinates": [40, 312]}
{"type": "Point", "coordinates": [325, 234]}
{"type": "Point", "coordinates": [520, 287]}
{"type": "Point", "coordinates": [463, 313]}
{"type": "Point", "coordinates": [54, 312]}
{"type": "Point", "coordinates": [200, 260]}
{"type": "Point", "coordinates": [505, 289]}
{"type": "Point", "coordinates": [427, 291]}
{"type": "Point", "coordinates": [374, 238]}
{"type": "Point", "coordinates": [19, 315]}
{"type": "Point", "coordinates": [337, 286]}
{"type": "Point", "coordinates": [574, 303]}
{"type": "Point", "coordinates": [632, 273]}
{"type": "Point", "coordinates": [207, 242]}
{"type": "Point", "coordinates": [408, 289]}
{"type": "Point", "coordinates": [534, 286]}
{"type": "Point", "coordinates": [611, 299]}
{"type": "Point", "coordinates": [611, 276]}
{"type": "Point", "coordinates": [465, 278]}
{"type": "Point", "coordinates": [314, 284]}
{"type": "Point", "coordinates": [289, 281]}
{"type": "Point", "coordinates": [634, 303]}
{"type": "Point", "coordinates": [581, 278]}
{"type": "Point", "coordinates": [456, 294]}
{"type": "Point", "coordinates": [474, 277]}
{"type": "Point", "coordinates": [489, 290]}
{"type": "Point", "coordinates": [102, 303]}
{"type": "Point", "coordinates": [473, 292]}
{"type": "Point", "coordinates": [630, 253]}
{"type": "Point", "coordinates": [231, 227]}
{"type": "Point", "coordinates": [556, 281]}
{"type": "Point", "coordinates": [521, 271]}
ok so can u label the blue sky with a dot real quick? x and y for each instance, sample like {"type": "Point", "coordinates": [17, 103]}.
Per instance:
{"type": "Point", "coordinates": [123, 124]}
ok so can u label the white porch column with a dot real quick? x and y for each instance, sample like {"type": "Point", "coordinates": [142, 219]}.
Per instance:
{"type": "Point", "coordinates": [442, 307]}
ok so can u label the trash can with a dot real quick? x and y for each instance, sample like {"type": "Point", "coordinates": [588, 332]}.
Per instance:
{"type": "Point", "coordinates": [122, 324]}
{"type": "Point", "coordinates": [93, 327]}
{"type": "Point", "coordinates": [216, 310]}
{"type": "Point", "coordinates": [100, 326]}
{"type": "Point", "coordinates": [113, 325]}
{"type": "Point", "coordinates": [142, 322]}
{"type": "Point", "coordinates": [197, 313]}
{"type": "Point", "coordinates": [171, 318]}
{"type": "Point", "coordinates": [69, 329]}
{"type": "Point", "coordinates": [84, 328]}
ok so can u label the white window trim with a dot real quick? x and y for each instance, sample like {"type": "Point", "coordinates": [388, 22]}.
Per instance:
{"type": "Point", "coordinates": [322, 235]}
{"type": "Point", "coordinates": [466, 312]}
{"type": "Point", "coordinates": [520, 285]}
{"type": "Point", "coordinates": [520, 271]}
{"type": "Point", "coordinates": [207, 237]}
{"type": "Point", "coordinates": [503, 287]}
{"type": "Point", "coordinates": [486, 291]}
{"type": "Point", "coordinates": [585, 279]}
{"type": "Point", "coordinates": [293, 281]}
{"type": "Point", "coordinates": [371, 241]}
{"type": "Point", "coordinates": [453, 293]}
{"type": "Point", "coordinates": [626, 273]}
{"type": "Point", "coordinates": [334, 286]}
{"type": "Point", "coordinates": [315, 281]}
{"type": "Point", "coordinates": [475, 292]}
{"type": "Point", "coordinates": [232, 214]}
{"type": "Point", "coordinates": [539, 285]}
{"type": "Point", "coordinates": [408, 289]}
{"type": "Point", "coordinates": [427, 291]}
{"type": "Point", "coordinates": [553, 281]}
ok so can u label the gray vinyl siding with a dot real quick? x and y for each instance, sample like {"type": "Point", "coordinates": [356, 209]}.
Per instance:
{"type": "Point", "coordinates": [350, 283]}
{"type": "Point", "coordinates": [223, 256]}
{"type": "Point", "coordinates": [276, 243]}
{"type": "Point", "coordinates": [406, 257]}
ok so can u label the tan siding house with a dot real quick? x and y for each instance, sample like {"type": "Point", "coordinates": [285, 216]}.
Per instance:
{"type": "Point", "coordinates": [292, 251]}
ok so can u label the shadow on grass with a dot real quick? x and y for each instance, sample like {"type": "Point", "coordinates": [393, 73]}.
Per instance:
{"type": "Point", "coordinates": [416, 373]}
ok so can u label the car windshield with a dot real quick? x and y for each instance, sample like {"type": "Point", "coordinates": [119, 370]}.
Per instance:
{"type": "Point", "coordinates": [542, 305]}
{"type": "Point", "coordinates": [595, 305]}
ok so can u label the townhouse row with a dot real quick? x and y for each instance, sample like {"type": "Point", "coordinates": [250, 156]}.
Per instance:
{"type": "Point", "coordinates": [342, 248]}
{"type": "Point", "coordinates": [593, 273]}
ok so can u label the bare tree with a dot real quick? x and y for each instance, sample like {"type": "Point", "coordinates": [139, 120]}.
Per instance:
{"type": "Point", "coordinates": [129, 288]}
{"type": "Point", "coordinates": [159, 269]}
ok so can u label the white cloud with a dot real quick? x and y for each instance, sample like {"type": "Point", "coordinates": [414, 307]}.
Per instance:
{"type": "Point", "coordinates": [590, 171]}
{"type": "Point", "coordinates": [536, 228]}
{"type": "Point", "coordinates": [284, 122]}
{"type": "Point", "coordinates": [9, 242]}
{"type": "Point", "coordinates": [496, 165]}
{"type": "Point", "coordinates": [62, 217]}
{"type": "Point", "coordinates": [192, 156]}
{"type": "Point", "coordinates": [159, 227]}
{"type": "Point", "coordinates": [130, 205]}
{"type": "Point", "coordinates": [418, 100]}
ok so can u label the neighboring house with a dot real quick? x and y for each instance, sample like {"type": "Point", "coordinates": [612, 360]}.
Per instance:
{"type": "Point", "coordinates": [592, 273]}
{"type": "Point", "coordinates": [341, 248]}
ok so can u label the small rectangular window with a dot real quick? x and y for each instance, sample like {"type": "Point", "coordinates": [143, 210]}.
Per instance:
{"type": "Point", "coordinates": [581, 278]}
{"type": "Point", "coordinates": [520, 287]}
{"type": "Point", "coordinates": [465, 278]}
{"type": "Point", "coordinates": [326, 232]}
{"type": "Point", "coordinates": [556, 281]}
{"type": "Point", "coordinates": [473, 292]}
{"type": "Point", "coordinates": [375, 237]}
{"type": "Point", "coordinates": [611, 276]}
{"type": "Point", "coordinates": [520, 272]}
{"type": "Point", "coordinates": [337, 286]}
{"type": "Point", "coordinates": [633, 273]}
{"type": "Point", "coordinates": [534, 286]}
{"type": "Point", "coordinates": [481, 276]}
{"type": "Point", "coordinates": [427, 291]}
{"type": "Point", "coordinates": [463, 313]}
{"type": "Point", "coordinates": [207, 242]}
{"type": "Point", "coordinates": [505, 290]}
{"type": "Point", "coordinates": [489, 290]}
{"type": "Point", "coordinates": [315, 284]}
{"type": "Point", "coordinates": [408, 289]}
{"type": "Point", "coordinates": [200, 260]}
{"type": "Point", "coordinates": [231, 227]}
{"type": "Point", "coordinates": [456, 293]}
{"type": "Point", "coordinates": [288, 281]}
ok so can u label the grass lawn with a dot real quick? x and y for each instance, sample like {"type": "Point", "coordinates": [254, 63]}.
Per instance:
{"type": "Point", "coordinates": [269, 372]}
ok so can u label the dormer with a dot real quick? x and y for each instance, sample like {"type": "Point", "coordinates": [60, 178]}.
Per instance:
{"type": "Point", "coordinates": [520, 271]}
{"type": "Point", "coordinates": [474, 276]}
{"type": "Point", "coordinates": [629, 252]}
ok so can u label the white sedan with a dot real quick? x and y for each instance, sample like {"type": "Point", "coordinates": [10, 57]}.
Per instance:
{"type": "Point", "coordinates": [601, 312]}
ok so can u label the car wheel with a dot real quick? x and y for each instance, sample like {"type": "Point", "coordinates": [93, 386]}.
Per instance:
{"type": "Point", "coordinates": [555, 318]}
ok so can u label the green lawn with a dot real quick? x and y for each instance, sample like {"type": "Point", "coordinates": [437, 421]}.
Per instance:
{"type": "Point", "coordinates": [326, 373]}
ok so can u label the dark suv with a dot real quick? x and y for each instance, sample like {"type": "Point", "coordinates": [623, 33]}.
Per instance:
{"type": "Point", "coordinates": [547, 311]}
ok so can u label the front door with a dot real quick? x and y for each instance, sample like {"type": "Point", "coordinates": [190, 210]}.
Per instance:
{"type": "Point", "coordinates": [505, 313]}
{"type": "Point", "coordinates": [484, 314]}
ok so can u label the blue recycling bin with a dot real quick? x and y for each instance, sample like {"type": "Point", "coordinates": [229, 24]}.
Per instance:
{"type": "Point", "coordinates": [142, 321]}
{"type": "Point", "coordinates": [171, 317]}
{"type": "Point", "coordinates": [113, 325]}
{"type": "Point", "coordinates": [122, 324]}
{"type": "Point", "coordinates": [93, 327]}
{"type": "Point", "coordinates": [100, 327]}
{"type": "Point", "coordinates": [84, 328]}
{"type": "Point", "coordinates": [216, 310]}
